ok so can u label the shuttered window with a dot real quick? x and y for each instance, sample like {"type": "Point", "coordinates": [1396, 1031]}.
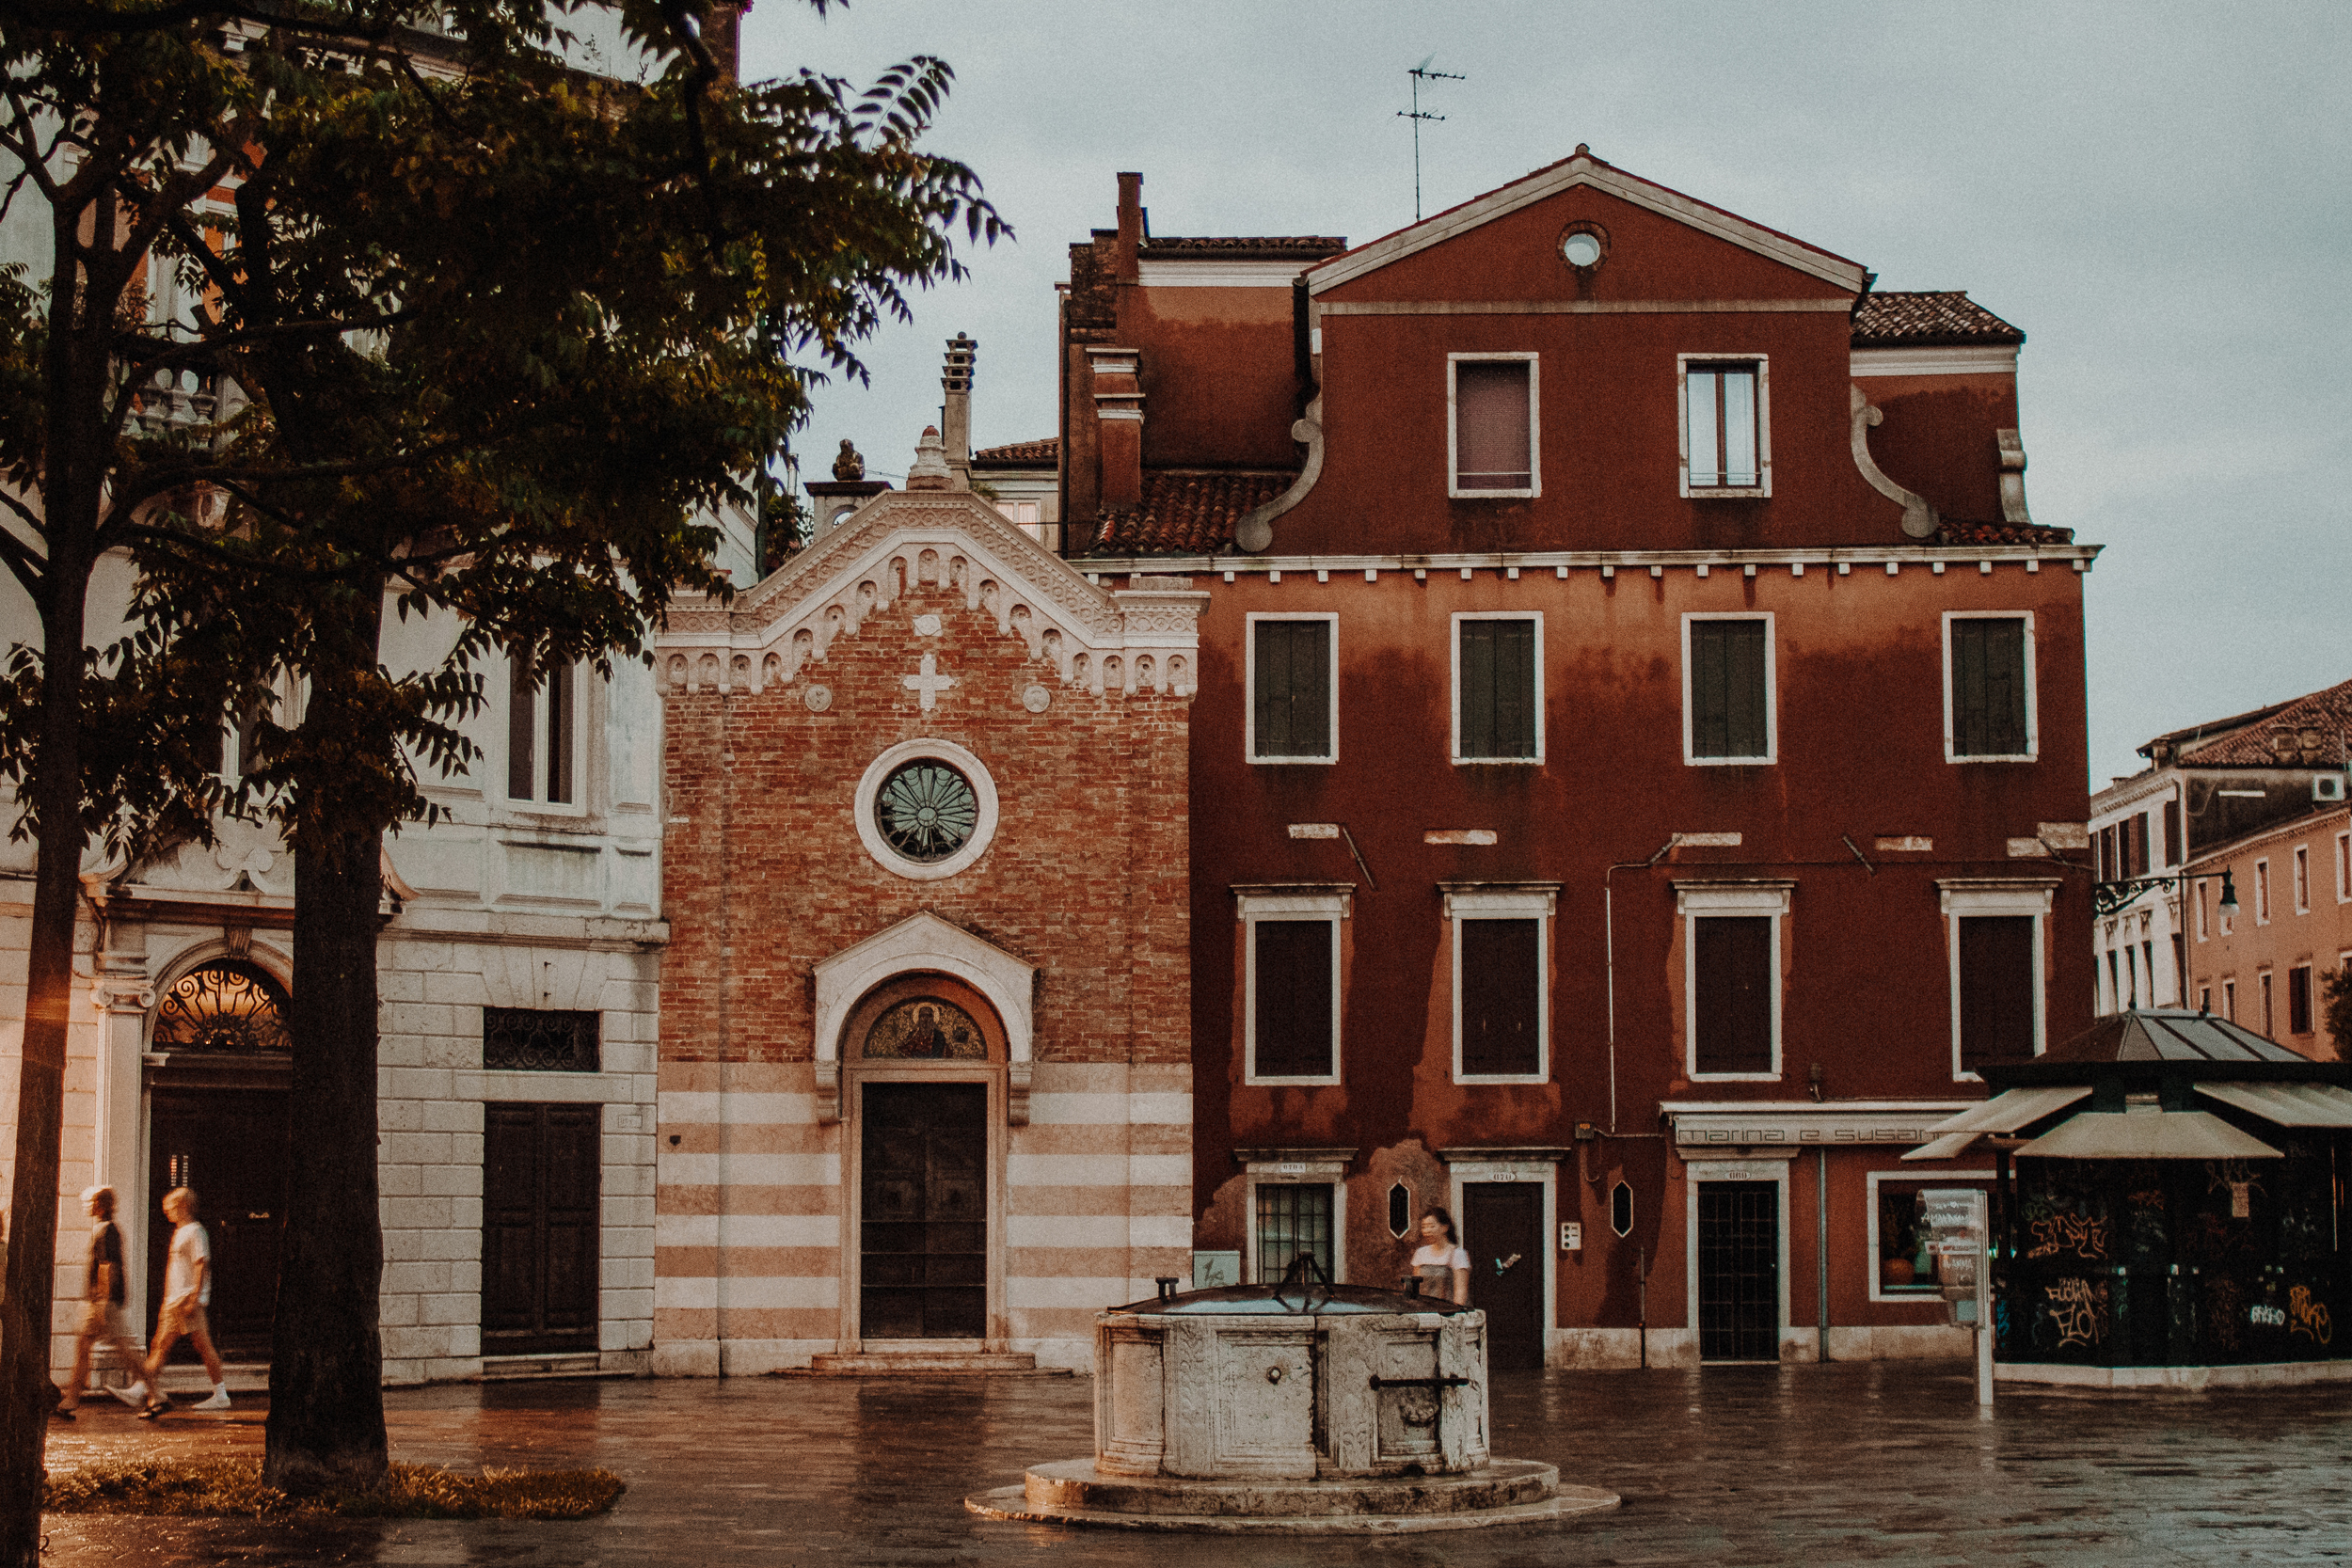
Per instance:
{"type": "Point", "coordinates": [1493, 424]}
{"type": "Point", "coordinates": [2299, 1000]}
{"type": "Point", "coordinates": [2171, 832]}
{"type": "Point", "coordinates": [1291, 695]}
{"type": "Point", "coordinates": [1997, 1000]}
{"type": "Point", "coordinates": [1730, 689]}
{"type": "Point", "coordinates": [1732, 994]}
{"type": "Point", "coordinates": [1497, 691]}
{"type": "Point", "coordinates": [1291, 1032]}
{"type": "Point", "coordinates": [1988, 695]}
{"type": "Point", "coordinates": [1502, 976]}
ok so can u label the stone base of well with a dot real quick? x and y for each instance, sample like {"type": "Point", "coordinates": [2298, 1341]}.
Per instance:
{"type": "Point", "coordinates": [1504, 1492]}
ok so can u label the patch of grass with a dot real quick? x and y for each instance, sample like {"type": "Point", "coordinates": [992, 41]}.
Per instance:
{"type": "Point", "coordinates": [233, 1489]}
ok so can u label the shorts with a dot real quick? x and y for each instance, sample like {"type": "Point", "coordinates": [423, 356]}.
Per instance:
{"type": "Point", "coordinates": [103, 1319]}
{"type": "Point", "coordinates": [187, 1318]}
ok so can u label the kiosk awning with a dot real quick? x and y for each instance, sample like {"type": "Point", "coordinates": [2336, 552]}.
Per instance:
{"type": "Point", "coordinates": [2288, 1104]}
{"type": "Point", "coordinates": [2145, 1133]}
{"type": "Point", "coordinates": [2003, 1112]}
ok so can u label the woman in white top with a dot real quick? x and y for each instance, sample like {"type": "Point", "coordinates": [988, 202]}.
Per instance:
{"type": "Point", "coordinates": [1440, 1265]}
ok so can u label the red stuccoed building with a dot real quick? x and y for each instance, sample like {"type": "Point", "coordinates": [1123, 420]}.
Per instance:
{"type": "Point", "coordinates": [1637, 763]}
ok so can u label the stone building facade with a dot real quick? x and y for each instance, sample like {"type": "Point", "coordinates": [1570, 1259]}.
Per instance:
{"type": "Point", "coordinates": [926, 1062]}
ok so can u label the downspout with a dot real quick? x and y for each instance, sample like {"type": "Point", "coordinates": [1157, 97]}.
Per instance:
{"type": "Point", "coordinates": [1820, 1244]}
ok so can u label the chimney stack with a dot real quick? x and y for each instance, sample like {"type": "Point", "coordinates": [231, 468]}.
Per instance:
{"type": "Point", "coordinates": [1126, 265]}
{"type": "Point", "coordinates": [956, 407]}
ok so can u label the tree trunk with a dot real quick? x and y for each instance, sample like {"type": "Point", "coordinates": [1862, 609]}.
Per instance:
{"type": "Point", "coordinates": [40, 1084]}
{"type": "Point", "coordinates": [326, 1357]}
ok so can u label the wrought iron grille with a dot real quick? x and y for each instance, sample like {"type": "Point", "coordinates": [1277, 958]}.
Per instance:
{"type": "Point", "coordinates": [927, 810]}
{"type": "Point", "coordinates": [537, 1040]}
{"type": "Point", "coordinates": [228, 1006]}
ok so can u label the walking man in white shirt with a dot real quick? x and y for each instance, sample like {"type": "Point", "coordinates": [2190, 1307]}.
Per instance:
{"type": "Point", "coordinates": [187, 1290]}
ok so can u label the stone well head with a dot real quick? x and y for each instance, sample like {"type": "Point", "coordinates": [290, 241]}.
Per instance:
{"type": "Point", "coordinates": [1290, 1381]}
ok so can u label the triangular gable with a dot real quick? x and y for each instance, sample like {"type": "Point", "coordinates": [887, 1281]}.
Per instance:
{"type": "Point", "coordinates": [1124, 641]}
{"type": "Point", "coordinates": [1583, 169]}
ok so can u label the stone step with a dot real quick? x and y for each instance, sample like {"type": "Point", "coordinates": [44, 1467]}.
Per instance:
{"type": "Point", "coordinates": [930, 1363]}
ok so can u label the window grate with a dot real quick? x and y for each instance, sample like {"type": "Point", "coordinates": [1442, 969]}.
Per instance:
{"type": "Point", "coordinates": [537, 1040]}
{"type": "Point", "coordinates": [1292, 1218]}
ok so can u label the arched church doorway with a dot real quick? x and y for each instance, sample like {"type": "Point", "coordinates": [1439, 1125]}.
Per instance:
{"type": "Point", "coordinates": [924, 1055]}
{"type": "Point", "coordinates": [220, 1066]}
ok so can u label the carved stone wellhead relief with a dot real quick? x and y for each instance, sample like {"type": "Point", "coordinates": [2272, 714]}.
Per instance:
{"type": "Point", "coordinates": [1119, 641]}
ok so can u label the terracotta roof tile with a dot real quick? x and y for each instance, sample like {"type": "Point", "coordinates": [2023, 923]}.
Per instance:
{"type": "Point", "coordinates": [1956, 532]}
{"type": "Point", "coordinates": [1188, 511]}
{"type": "Point", "coordinates": [1020, 454]}
{"type": "Point", "coordinates": [2310, 731]}
{"type": "Point", "coordinates": [1927, 319]}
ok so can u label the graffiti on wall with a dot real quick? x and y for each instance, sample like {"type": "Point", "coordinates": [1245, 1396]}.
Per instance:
{"type": "Point", "coordinates": [2307, 1317]}
{"type": "Point", "coordinates": [2074, 1233]}
{"type": "Point", "coordinates": [2077, 1309]}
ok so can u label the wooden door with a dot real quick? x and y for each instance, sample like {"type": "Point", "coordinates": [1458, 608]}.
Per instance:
{"type": "Point", "coordinates": [541, 1185]}
{"type": "Point", "coordinates": [1502, 1229]}
{"type": "Point", "coordinates": [231, 1146]}
{"type": "Point", "coordinates": [1738, 1271]}
{"type": "Point", "coordinates": [923, 1221]}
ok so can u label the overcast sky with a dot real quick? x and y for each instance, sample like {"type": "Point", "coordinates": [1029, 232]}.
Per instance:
{"type": "Point", "coordinates": [2160, 194]}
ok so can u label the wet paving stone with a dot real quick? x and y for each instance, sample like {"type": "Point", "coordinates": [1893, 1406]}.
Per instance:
{"type": "Point", "coordinates": [1862, 1462]}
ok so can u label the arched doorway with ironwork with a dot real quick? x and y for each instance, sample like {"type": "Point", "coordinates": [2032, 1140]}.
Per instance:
{"type": "Point", "coordinates": [219, 1066]}
{"type": "Point", "coordinates": [924, 1083]}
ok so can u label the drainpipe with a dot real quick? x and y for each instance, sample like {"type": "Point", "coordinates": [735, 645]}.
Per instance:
{"type": "Point", "coordinates": [1820, 1248]}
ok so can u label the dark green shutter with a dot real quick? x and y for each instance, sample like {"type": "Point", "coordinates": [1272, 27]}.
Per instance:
{"type": "Point", "coordinates": [1729, 695]}
{"type": "Point", "coordinates": [1502, 1006]}
{"type": "Point", "coordinates": [1293, 1003]}
{"type": "Point", "coordinates": [1989, 687]}
{"type": "Point", "coordinates": [1293, 700]}
{"type": "Point", "coordinates": [1996, 989]}
{"type": "Point", "coordinates": [1497, 717]}
{"type": "Point", "coordinates": [1734, 962]}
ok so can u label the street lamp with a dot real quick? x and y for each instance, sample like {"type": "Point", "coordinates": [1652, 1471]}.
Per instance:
{"type": "Point", "coordinates": [2229, 895]}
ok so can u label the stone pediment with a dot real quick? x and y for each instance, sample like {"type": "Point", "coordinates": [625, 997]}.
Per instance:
{"type": "Point", "coordinates": [1142, 637]}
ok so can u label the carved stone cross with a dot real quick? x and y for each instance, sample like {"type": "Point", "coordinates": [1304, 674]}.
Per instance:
{"type": "Point", "coordinates": [931, 683]}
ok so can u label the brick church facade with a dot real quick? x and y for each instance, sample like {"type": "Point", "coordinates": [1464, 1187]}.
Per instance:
{"type": "Point", "coordinates": [925, 1055]}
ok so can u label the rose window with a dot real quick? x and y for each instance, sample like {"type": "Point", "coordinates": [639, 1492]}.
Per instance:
{"type": "Point", "coordinates": [927, 810]}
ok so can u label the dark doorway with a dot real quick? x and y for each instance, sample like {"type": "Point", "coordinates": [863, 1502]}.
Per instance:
{"type": "Point", "coordinates": [1502, 1229]}
{"type": "Point", "coordinates": [542, 1188]}
{"type": "Point", "coordinates": [232, 1147]}
{"type": "Point", "coordinates": [923, 1231]}
{"type": "Point", "coordinates": [1738, 1271]}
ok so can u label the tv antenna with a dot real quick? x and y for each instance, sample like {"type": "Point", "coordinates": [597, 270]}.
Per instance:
{"type": "Point", "coordinates": [1421, 73]}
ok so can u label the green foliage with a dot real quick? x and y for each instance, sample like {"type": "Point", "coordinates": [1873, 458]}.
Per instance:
{"type": "Point", "coordinates": [233, 1489]}
{"type": "Point", "coordinates": [499, 340]}
{"type": "Point", "coordinates": [2336, 987]}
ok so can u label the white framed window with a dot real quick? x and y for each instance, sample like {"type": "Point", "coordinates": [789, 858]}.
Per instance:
{"type": "Point", "coordinates": [1995, 936]}
{"type": "Point", "coordinates": [1989, 708]}
{"type": "Point", "coordinates": [233, 752]}
{"type": "Point", "coordinates": [1731, 978]}
{"type": "Point", "coordinates": [1297, 1202]}
{"type": "Point", "coordinates": [1730, 690]}
{"type": "Point", "coordinates": [2262, 893]}
{"type": "Point", "coordinates": [1726, 425]}
{"type": "Point", "coordinates": [2229, 999]}
{"type": "Point", "coordinates": [545, 746]}
{"type": "Point", "coordinates": [2302, 880]}
{"type": "Point", "coordinates": [2204, 909]}
{"type": "Point", "coordinates": [1294, 674]}
{"type": "Point", "coordinates": [2262, 992]}
{"type": "Point", "coordinates": [926, 809]}
{"type": "Point", "coordinates": [1500, 934]}
{"type": "Point", "coordinates": [1498, 686]}
{"type": "Point", "coordinates": [2344, 868]}
{"type": "Point", "coordinates": [1493, 426]}
{"type": "Point", "coordinates": [1896, 1230]}
{"type": "Point", "coordinates": [1293, 953]}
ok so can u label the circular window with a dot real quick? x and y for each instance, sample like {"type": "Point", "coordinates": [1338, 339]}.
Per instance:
{"type": "Point", "coordinates": [927, 810]}
{"type": "Point", "coordinates": [1583, 247]}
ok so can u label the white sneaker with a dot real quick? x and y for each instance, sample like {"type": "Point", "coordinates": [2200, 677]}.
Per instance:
{"type": "Point", "coordinates": [135, 1395]}
{"type": "Point", "coordinates": [220, 1400]}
